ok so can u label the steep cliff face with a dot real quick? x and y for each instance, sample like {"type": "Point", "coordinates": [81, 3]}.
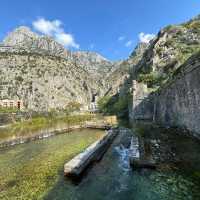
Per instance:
{"type": "Point", "coordinates": [174, 101]}
{"type": "Point", "coordinates": [170, 49]}
{"type": "Point", "coordinates": [24, 38]}
{"type": "Point", "coordinates": [42, 73]}
{"type": "Point", "coordinates": [122, 72]}
{"type": "Point", "coordinates": [44, 82]}
{"type": "Point", "coordinates": [92, 62]}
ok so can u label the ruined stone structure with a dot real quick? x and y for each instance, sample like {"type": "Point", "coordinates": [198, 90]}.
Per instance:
{"type": "Point", "coordinates": [142, 107]}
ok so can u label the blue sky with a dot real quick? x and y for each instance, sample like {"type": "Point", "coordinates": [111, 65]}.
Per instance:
{"type": "Point", "coordinates": [110, 27]}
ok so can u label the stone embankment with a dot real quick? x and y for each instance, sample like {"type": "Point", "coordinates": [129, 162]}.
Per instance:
{"type": "Point", "coordinates": [45, 133]}
{"type": "Point", "coordinates": [138, 156]}
{"type": "Point", "coordinates": [176, 104]}
{"type": "Point", "coordinates": [76, 166]}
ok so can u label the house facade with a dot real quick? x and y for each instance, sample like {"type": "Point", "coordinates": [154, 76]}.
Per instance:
{"type": "Point", "coordinates": [7, 103]}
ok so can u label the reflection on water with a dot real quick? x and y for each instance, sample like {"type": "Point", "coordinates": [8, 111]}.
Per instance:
{"type": "Point", "coordinates": [178, 177]}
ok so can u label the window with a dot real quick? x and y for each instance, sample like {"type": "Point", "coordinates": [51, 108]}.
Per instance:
{"type": "Point", "coordinates": [11, 104]}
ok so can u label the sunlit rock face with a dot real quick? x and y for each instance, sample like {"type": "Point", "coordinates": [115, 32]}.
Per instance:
{"type": "Point", "coordinates": [24, 38]}
{"type": "Point", "coordinates": [172, 46]}
{"type": "Point", "coordinates": [44, 75]}
{"type": "Point", "coordinates": [172, 55]}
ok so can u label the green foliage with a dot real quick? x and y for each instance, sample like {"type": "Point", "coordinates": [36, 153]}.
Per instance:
{"type": "Point", "coordinates": [194, 26]}
{"type": "Point", "coordinates": [159, 51]}
{"type": "Point", "coordinates": [116, 105]}
{"type": "Point", "coordinates": [72, 107]}
{"type": "Point", "coordinates": [31, 126]}
{"type": "Point", "coordinates": [19, 78]}
{"type": "Point", "coordinates": [103, 104]}
{"type": "Point", "coordinates": [121, 105]}
{"type": "Point", "coordinates": [151, 79]}
{"type": "Point", "coordinates": [169, 43]}
{"type": "Point", "coordinates": [8, 110]}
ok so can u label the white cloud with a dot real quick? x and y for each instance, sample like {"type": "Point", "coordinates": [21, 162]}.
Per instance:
{"type": "Point", "coordinates": [121, 38]}
{"type": "Point", "coordinates": [129, 43]}
{"type": "Point", "coordinates": [47, 27]}
{"type": "Point", "coordinates": [67, 40]}
{"type": "Point", "coordinates": [54, 29]}
{"type": "Point", "coordinates": [146, 38]}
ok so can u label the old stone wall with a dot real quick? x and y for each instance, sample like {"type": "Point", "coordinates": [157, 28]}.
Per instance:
{"type": "Point", "coordinates": [178, 104]}
{"type": "Point", "coordinates": [175, 104]}
{"type": "Point", "coordinates": [142, 108]}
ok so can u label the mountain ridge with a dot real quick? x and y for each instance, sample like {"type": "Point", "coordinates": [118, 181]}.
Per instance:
{"type": "Point", "coordinates": [82, 74]}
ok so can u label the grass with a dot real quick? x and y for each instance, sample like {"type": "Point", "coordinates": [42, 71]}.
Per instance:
{"type": "Point", "coordinates": [8, 110]}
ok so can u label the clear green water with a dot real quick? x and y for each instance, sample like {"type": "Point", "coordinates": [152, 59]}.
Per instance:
{"type": "Point", "coordinates": [35, 170]}
{"type": "Point", "coordinates": [30, 171]}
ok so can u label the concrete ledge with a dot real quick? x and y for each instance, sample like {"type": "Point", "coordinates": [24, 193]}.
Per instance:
{"type": "Point", "coordinates": [138, 157]}
{"type": "Point", "coordinates": [76, 166]}
{"type": "Point", "coordinates": [139, 163]}
{"type": "Point", "coordinates": [45, 133]}
{"type": "Point", "coordinates": [49, 132]}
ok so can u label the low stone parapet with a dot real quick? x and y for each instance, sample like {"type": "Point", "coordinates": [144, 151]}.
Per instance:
{"type": "Point", "coordinates": [138, 157]}
{"type": "Point", "coordinates": [76, 166]}
{"type": "Point", "coordinates": [45, 133]}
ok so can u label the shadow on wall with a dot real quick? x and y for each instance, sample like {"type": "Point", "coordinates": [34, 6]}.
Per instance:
{"type": "Point", "coordinates": [175, 104]}
{"type": "Point", "coordinates": [143, 106]}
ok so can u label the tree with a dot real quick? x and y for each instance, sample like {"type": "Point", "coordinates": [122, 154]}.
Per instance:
{"type": "Point", "coordinates": [72, 107]}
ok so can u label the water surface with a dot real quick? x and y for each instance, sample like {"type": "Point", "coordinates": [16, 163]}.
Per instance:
{"type": "Point", "coordinates": [35, 170]}
{"type": "Point", "coordinates": [30, 170]}
{"type": "Point", "coordinates": [113, 179]}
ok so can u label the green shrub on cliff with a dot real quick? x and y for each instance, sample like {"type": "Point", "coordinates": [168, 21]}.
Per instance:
{"type": "Point", "coordinates": [115, 105]}
{"type": "Point", "coordinates": [104, 104]}
{"type": "Point", "coordinates": [72, 107]}
{"type": "Point", "coordinates": [194, 26]}
{"type": "Point", "coordinates": [151, 79]}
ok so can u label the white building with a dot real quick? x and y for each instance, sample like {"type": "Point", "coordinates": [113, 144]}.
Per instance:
{"type": "Point", "coordinates": [7, 103]}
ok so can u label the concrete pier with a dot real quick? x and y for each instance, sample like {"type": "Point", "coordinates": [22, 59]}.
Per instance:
{"type": "Point", "coordinates": [76, 166]}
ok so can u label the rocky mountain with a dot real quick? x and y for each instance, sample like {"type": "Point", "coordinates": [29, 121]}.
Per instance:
{"type": "Point", "coordinates": [24, 38]}
{"type": "Point", "coordinates": [42, 73]}
{"type": "Point", "coordinates": [166, 78]}
{"type": "Point", "coordinates": [170, 49]}
{"type": "Point", "coordinates": [120, 78]}
{"type": "Point", "coordinates": [92, 62]}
